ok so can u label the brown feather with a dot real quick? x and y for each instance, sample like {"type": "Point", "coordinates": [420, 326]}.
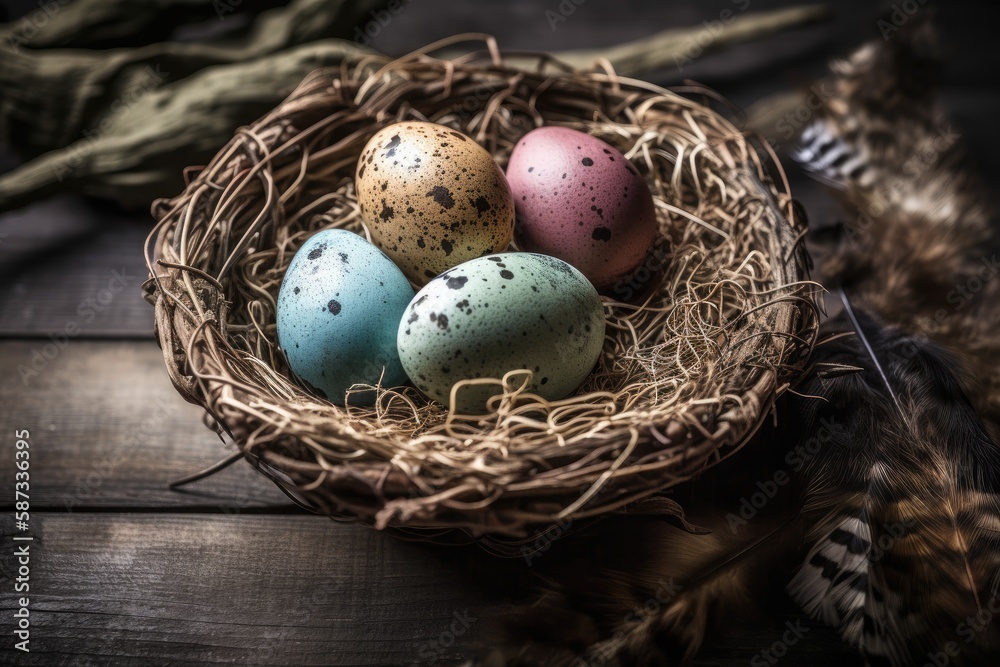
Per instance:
{"type": "Point", "coordinates": [919, 247]}
{"type": "Point", "coordinates": [904, 507]}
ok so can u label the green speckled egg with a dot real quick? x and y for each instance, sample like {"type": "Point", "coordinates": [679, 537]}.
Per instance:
{"type": "Point", "coordinates": [432, 198]}
{"type": "Point", "coordinates": [500, 313]}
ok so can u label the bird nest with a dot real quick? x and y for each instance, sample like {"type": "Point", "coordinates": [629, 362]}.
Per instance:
{"type": "Point", "coordinates": [699, 343]}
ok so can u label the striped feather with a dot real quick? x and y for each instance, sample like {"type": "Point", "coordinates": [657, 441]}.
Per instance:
{"type": "Point", "coordinates": [904, 506]}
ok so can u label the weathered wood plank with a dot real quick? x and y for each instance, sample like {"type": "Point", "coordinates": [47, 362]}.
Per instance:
{"type": "Point", "coordinates": [200, 589]}
{"type": "Point", "coordinates": [169, 589]}
{"type": "Point", "coordinates": [69, 268]}
{"type": "Point", "coordinates": [108, 430]}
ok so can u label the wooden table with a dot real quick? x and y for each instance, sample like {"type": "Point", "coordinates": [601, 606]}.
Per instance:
{"type": "Point", "coordinates": [125, 571]}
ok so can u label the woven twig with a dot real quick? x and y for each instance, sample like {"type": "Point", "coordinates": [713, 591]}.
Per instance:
{"type": "Point", "coordinates": [688, 372]}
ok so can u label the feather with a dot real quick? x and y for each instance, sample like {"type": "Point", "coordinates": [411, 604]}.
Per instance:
{"type": "Point", "coordinates": [638, 591]}
{"type": "Point", "coordinates": [919, 248]}
{"type": "Point", "coordinates": [903, 505]}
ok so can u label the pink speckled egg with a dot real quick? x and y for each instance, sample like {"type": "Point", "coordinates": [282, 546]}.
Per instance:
{"type": "Point", "coordinates": [579, 199]}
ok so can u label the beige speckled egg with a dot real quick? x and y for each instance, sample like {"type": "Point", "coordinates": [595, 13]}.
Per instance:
{"type": "Point", "coordinates": [432, 198]}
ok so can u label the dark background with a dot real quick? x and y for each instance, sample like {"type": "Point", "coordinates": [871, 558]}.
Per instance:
{"type": "Point", "coordinates": [126, 571]}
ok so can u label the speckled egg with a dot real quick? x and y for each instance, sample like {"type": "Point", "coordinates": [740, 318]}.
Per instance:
{"type": "Point", "coordinates": [579, 199]}
{"type": "Point", "coordinates": [339, 309]}
{"type": "Point", "coordinates": [432, 198]}
{"type": "Point", "coordinates": [499, 313]}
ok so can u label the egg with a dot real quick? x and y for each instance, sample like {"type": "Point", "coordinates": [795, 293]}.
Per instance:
{"type": "Point", "coordinates": [499, 313]}
{"type": "Point", "coordinates": [339, 309]}
{"type": "Point", "coordinates": [432, 198]}
{"type": "Point", "coordinates": [580, 200]}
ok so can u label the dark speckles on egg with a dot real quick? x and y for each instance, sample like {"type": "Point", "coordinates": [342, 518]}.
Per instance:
{"type": "Point", "coordinates": [557, 218]}
{"type": "Point", "coordinates": [481, 205]}
{"type": "Point", "coordinates": [315, 253]}
{"type": "Point", "coordinates": [310, 328]}
{"type": "Point", "coordinates": [442, 196]}
{"type": "Point", "coordinates": [458, 188]}
{"type": "Point", "coordinates": [387, 213]}
{"type": "Point", "coordinates": [506, 274]}
{"type": "Point", "coordinates": [392, 145]}
{"type": "Point", "coordinates": [457, 282]}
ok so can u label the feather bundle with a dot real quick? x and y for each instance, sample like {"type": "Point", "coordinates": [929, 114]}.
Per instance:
{"type": "Point", "coordinates": [647, 593]}
{"type": "Point", "coordinates": [903, 507]}
{"type": "Point", "coordinates": [919, 247]}
{"type": "Point", "coordinates": [905, 550]}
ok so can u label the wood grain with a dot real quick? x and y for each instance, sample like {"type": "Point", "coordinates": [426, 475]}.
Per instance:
{"type": "Point", "coordinates": [154, 577]}
{"type": "Point", "coordinates": [109, 431]}
{"type": "Point", "coordinates": [58, 264]}
{"type": "Point", "coordinates": [167, 589]}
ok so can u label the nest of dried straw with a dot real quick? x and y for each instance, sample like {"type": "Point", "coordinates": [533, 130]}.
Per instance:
{"type": "Point", "coordinates": [689, 370]}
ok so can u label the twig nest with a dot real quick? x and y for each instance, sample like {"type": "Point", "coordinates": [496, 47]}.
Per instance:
{"type": "Point", "coordinates": [698, 343]}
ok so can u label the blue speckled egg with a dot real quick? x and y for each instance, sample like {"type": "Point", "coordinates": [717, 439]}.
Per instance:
{"type": "Point", "coordinates": [500, 313]}
{"type": "Point", "coordinates": [338, 313]}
